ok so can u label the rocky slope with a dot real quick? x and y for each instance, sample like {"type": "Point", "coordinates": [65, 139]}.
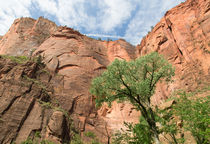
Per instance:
{"type": "Point", "coordinates": [73, 59]}
{"type": "Point", "coordinates": [183, 37]}
{"type": "Point", "coordinates": [28, 103]}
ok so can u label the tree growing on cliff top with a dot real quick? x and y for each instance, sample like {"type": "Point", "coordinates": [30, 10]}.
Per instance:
{"type": "Point", "coordinates": [134, 81]}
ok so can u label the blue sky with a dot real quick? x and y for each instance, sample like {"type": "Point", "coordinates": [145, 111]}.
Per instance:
{"type": "Point", "coordinates": [127, 19]}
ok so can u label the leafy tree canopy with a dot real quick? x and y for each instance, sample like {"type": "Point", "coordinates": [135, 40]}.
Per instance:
{"type": "Point", "coordinates": [133, 81]}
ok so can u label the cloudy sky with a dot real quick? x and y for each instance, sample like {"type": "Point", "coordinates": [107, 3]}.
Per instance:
{"type": "Point", "coordinates": [128, 19]}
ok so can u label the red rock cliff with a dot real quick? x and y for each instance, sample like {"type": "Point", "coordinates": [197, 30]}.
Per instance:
{"type": "Point", "coordinates": [183, 37]}
{"type": "Point", "coordinates": [25, 35]}
{"type": "Point", "coordinates": [78, 59]}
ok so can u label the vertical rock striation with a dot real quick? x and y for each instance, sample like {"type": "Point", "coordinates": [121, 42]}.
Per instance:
{"type": "Point", "coordinates": [27, 104]}
{"type": "Point", "coordinates": [183, 37]}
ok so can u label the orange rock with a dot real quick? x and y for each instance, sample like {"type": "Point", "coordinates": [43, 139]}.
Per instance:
{"type": "Point", "coordinates": [79, 59]}
{"type": "Point", "coordinates": [183, 37]}
{"type": "Point", "coordinates": [25, 35]}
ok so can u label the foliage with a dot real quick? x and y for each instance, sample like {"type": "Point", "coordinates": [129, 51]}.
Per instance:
{"type": "Point", "coordinates": [95, 142]}
{"type": "Point", "coordinates": [30, 141]}
{"type": "Point", "coordinates": [31, 52]}
{"type": "Point", "coordinates": [76, 139]}
{"type": "Point", "coordinates": [195, 115]}
{"type": "Point", "coordinates": [134, 134]}
{"type": "Point", "coordinates": [23, 59]}
{"type": "Point", "coordinates": [39, 60]}
{"type": "Point", "coordinates": [37, 82]}
{"type": "Point", "coordinates": [89, 134]}
{"type": "Point", "coordinates": [17, 59]}
{"type": "Point", "coordinates": [35, 140]}
{"type": "Point", "coordinates": [168, 125]}
{"type": "Point", "coordinates": [133, 81]}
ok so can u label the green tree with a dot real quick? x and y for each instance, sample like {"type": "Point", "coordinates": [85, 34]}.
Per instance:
{"type": "Point", "coordinates": [195, 115]}
{"type": "Point", "coordinates": [134, 134]}
{"type": "Point", "coordinates": [133, 81]}
{"type": "Point", "coordinates": [169, 126]}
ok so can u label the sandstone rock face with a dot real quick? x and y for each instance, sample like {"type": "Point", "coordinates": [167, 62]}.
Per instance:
{"type": "Point", "coordinates": [25, 35]}
{"type": "Point", "coordinates": [25, 91]}
{"type": "Point", "coordinates": [73, 59]}
{"type": "Point", "coordinates": [79, 59]}
{"type": "Point", "coordinates": [183, 37]}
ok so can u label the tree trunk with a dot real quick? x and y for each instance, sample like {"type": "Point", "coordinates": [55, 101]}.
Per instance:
{"type": "Point", "coordinates": [150, 118]}
{"type": "Point", "coordinates": [156, 139]}
{"type": "Point", "coordinates": [155, 134]}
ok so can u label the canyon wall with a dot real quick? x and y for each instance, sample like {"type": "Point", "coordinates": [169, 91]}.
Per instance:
{"type": "Point", "coordinates": [183, 37]}
{"type": "Point", "coordinates": [25, 35]}
{"type": "Point", "coordinates": [73, 59]}
{"type": "Point", "coordinates": [28, 106]}
{"type": "Point", "coordinates": [77, 59]}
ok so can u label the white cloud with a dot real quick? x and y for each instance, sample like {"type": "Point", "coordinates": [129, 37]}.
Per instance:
{"type": "Point", "coordinates": [131, 19]}
{"type": "Point", "coordinates": [49, 6]}
{"type": "Point", "coordinates": [148, 15]}
{"type": "Point", "coordinates": [116, 12]}
{"type": "Point", "coordinates": [10, 10]}
{"type": "Point", "coordinates": [103, 15]}
{"type": "Point", "coordinates": [105, 36]}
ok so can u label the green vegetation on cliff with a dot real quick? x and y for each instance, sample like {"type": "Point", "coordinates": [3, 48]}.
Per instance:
{"type": "Point", "coordinates": [134, 81]}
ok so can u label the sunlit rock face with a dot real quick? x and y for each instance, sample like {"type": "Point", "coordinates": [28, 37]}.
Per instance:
{"type": "Point", "coordinates": [79, 59]}
{"type": "Point", "coordinates": [26, 108]}
{"type": "Point", "coordinates": [183, 37]}
{"type": "Point", "coordinates": [25, 35]}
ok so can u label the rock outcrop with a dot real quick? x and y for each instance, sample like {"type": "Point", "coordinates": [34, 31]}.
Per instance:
{"type": "Point", "coordinates": [27, 107]}
{"type": "Point", "coordinates": [79, 59]}
{"type": "Point", "coordinates": [25, 35]}
{"type": "Point", "coordinates": [183, 37]}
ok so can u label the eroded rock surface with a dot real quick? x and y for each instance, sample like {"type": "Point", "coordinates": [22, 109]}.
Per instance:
{"type": "Point", "coordinates": [183, 37]}
{"type": "Point", "coordinates": [25, 35]}
{"type": "Point", "coordinates": [79, 59]}
{"type": "Point", "coordinates": [26, 96]}
{"type": "Point", "coordinates": [73, 59]}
